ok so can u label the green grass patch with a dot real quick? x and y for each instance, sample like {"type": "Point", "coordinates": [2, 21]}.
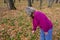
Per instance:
{"type": "Point", "coordinates": [12, 22]}
{"type": "Point", "coordinates": [18, 36]}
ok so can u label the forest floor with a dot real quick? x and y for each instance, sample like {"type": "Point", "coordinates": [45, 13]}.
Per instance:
{"type": "Point", "coordinates": [16, 25]}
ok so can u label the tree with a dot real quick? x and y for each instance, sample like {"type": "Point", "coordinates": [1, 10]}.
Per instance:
{"type": "Point", "coordinates": [19, 0]}
{"type": "Point", "coordinates": [37, 0]}
{"type": "Point", "coordinates": [5, 1]}
{"type": "Point", "coordinates": [14, 1]}
{"type": "Point", "coordinates": [29, 3]}
{"type": "Point", "coordinates": [50, 3]}
{"type": "Point", "coordinates": [11, 5]}
{"type": "Point", "coordinates": [32, 1]}
{"type": "Point", "coordinates": [41, 1]}
{"type": "Point", "coordinates": [56, 1]}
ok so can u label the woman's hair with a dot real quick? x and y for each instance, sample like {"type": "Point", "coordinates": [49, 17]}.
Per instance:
{"type": "Point", "coordinates": [30, 10]}
{"type": "Point", "coordinates": [32, 15]}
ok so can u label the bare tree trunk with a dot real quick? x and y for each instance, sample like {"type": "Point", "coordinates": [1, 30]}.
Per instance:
{"type": "Point", "coordinates": [19, 0]}
{"type": "Point", "coordinates": [32, 1]}
{"type": "Point", "coordinates": [37, 0]}
{"type": "Point", "coordinates": [1, 14]}
{"type": "Point", "coordinates": [29, 3]}
{"type": "Point", "coordinates": [14, 1]}
{"type": "Point", "coordinates": [50, 3]}
{"type": "Point", "coordinates": [41, 1]}
{"type": "Point", "coordinates": [11, 5]}
{"type": "Point", "coordinates": [0, 17]}
{"type": "Point", "coordinates": [56, 1]}
{"type": "Point", "coordinates": [5, 1]}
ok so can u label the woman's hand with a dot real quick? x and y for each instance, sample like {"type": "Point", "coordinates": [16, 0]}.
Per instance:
{"type": "Point", "coordinates": [46, 33]}
{"type": "Point", "coordinates": [33, 31]}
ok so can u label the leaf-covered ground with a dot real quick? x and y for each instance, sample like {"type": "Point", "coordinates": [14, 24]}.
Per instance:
{"type": "Point", "coordinates": [16, 25]}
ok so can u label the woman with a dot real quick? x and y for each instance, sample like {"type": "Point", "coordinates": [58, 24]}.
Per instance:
{"type": "Point", "coordinates": [41, 20]}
